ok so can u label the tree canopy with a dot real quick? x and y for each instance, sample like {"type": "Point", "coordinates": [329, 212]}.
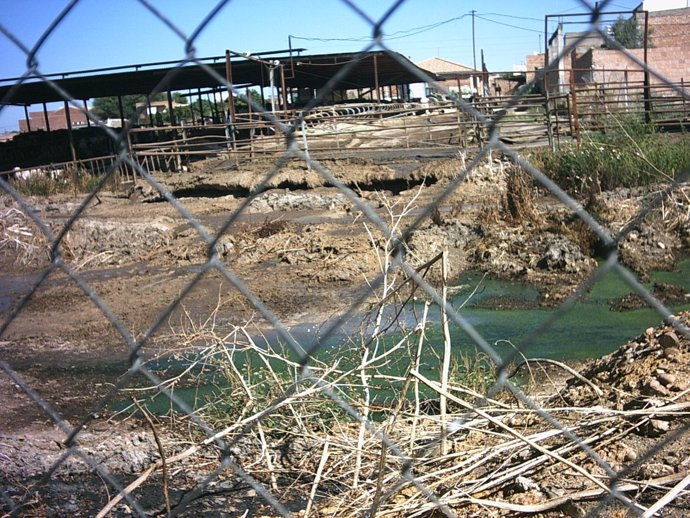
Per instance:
{"type": "Point", "coordinates": [627, 33]}
{"type": "Point", "coordinates": [109, 107]}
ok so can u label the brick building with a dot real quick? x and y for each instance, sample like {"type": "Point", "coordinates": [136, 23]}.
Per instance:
{"type": "Point", "coordinates": [56, 120]}
{"type": "Point", "coordinates": [668, 52]}
{"type": "Point", "coordinates": [457, 78]}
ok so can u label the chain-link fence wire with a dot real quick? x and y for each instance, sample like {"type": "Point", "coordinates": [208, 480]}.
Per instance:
{"type": "Point", "coordinates": [611, 480]}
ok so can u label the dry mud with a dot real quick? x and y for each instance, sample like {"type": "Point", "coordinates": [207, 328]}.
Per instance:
{"type": "Point", "coordinates": [306, 250]}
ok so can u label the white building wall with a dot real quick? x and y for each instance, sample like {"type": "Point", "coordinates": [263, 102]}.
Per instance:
{"type": "Point", "coordinates": [664, 5]}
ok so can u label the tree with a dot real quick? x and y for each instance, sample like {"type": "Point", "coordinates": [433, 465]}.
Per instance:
{"type": "Point", "coordinates": [627, 33]}
{"type": "Point", "coordinates": [109, 107]}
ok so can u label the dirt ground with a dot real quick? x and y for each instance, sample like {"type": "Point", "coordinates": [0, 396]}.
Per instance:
{"type": "Point", "coordinates": [299, 245]}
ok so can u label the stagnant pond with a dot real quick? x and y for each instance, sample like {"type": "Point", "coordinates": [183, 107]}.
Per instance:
{"type": "Point", "coordinates": [590, 329]}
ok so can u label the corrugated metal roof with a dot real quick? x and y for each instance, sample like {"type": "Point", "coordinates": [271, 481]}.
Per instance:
{"type": "Point", "coordinates": [348, 71]}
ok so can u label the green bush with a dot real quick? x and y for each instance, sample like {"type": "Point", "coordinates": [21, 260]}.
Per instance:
{"type": "Point", "coordinates": [628, 154]}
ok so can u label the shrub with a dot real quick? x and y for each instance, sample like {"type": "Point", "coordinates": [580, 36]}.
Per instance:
{"type": "Point", "coordinates": [630, 154]}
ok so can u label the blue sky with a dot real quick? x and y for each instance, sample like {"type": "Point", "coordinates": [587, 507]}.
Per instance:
{"type": "Point", "coordinates": [105, 33]}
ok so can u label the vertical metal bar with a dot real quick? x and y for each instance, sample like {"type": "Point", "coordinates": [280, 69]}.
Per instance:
{"type": "Point", "coordinates": [68, 119]}
{"type": "Point", "coordinates": [45, 116]}
{"type": "Point", "coordinates": [149, 111]}
{"type": "Point", "coordinates": [28, 120]}
{"type": "Point", "coordinates": [86, 109]}
{"type": "Point", "coordinates": [250, 110]}
{"type": "Point", "coordinates": [252, 132]}
{"type": "Point", "coordinates": [231, 97]}
{"type": "Point", "coordinates": [122, 112]}
{"type": "Point", "coordinates": [284, 90]}
{"type": "Point", "coordinates": [306, 144]}
{"type": "Point", "coordinates": [214, 108]}
{"type": "Point", "coordinates": [190, 101]}
{"type": "Point", "coordinates": [263, 85]}
{"type": "Point", "coordinates": [376, 79]}
{"type": "Point", "coordinates": [201, 108]}
{"type": "Point", "coordinates": [171, 110]}
{"type": "Point", "coordinates": [273, 88]}
{"type": "Point", "coordinates": [646, 92]}
{"type": "Point", "coordinates": [570, 120]}
{"type": "Point", "coordinates": [575, 114]}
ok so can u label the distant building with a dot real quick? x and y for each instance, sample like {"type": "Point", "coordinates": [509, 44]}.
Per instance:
{"type": "Point", "coordinates": [591, 63]}
{"type": "Point", "coordinates": [56, 120]}
{"type": "Point", "coordinates": [663, 5]}
{"type": "Point", "coordinates": [457, 78]}
{"type": "Point", "coordinates": [9, 135]}
{"type": "Point", "coordinates": [154, 110]}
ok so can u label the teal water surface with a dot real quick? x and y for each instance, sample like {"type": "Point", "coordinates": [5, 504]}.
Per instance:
{"type": "Point", "coordinates": [589, 329]}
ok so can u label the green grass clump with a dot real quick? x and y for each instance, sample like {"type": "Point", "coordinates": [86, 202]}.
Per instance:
{"type": "Point", "coordinates": [630, 153]}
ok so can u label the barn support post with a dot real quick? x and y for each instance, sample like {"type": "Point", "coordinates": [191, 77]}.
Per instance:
{"type": "Point", "coordinates": [376, 79]}
{"type": "Point", "coordinates": [230, 127]}
{"type": "Point", "coordinates": [305, 143]}
{"type": "Point", "coordinates": [251, 123]}
{"type": "Point", "coordinates": [231, 97]}
{"type": "Point", "coordinates": [86, 109]}
{"type": "Point", "coordinates": [122, 112]}
{"type": "Point", "coordinates": [70, 135]}
{"type": "Point", "coordinates": [149, 111]}
{"type": "Point", "coordinates": [45, 117]}
{"type": "Point", "coordinates": [28, 120]}
{"type": "Point", "coordinates": [171, 110]}
{"type": "Point", "coordinates": [201, 108]}
{"type": "Point", "coordinates": [283, 90]}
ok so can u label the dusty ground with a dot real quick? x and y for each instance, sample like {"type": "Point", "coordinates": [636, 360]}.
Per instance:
{"type": "Point", "coordinates": [302, 247]}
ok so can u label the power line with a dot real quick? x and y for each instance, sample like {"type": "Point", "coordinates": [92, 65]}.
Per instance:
{"type": "Point", "coordinates": [406, 33]}
{"type": "Point", "coordinates": [507, 24]}
{"type": "Point", "coordinates": [513, 17]}
{"type": "Point", "coordinates": [394, 35]}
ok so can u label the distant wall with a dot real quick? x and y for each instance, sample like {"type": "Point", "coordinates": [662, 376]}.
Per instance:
{"type": "Point", "coordinates": [673, 63]}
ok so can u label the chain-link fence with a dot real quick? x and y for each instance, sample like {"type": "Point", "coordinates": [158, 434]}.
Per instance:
{"type": "Point", "coordinates": [370, 414]}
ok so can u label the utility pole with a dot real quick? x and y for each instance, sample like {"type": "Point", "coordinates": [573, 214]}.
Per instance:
{"type": "Point", "coordinates": [474, 52]}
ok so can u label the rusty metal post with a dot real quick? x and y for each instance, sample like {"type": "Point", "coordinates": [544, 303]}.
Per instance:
{"type": "Point", "coordinates": [646, 91]}
{"type": "Point", "coordinates": [547, 112]}
{"type": "Point", "coordinates": [573, 104]}
{"type": "Point", "coordinates": [250, 117]}
{"type": "Point", "coordinates": [570, 121]}
{"type": "Point", "coordinates": [45, 117]}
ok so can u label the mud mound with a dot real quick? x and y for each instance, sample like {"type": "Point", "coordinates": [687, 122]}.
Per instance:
{"type": "Point", "coordinates": [652, 369]}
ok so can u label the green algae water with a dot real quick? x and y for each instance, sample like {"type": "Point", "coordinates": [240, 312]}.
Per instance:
{"type": "Point", "coordinates": [502, 312]}
{"type": "Point", "coordinates": [589, 330]}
